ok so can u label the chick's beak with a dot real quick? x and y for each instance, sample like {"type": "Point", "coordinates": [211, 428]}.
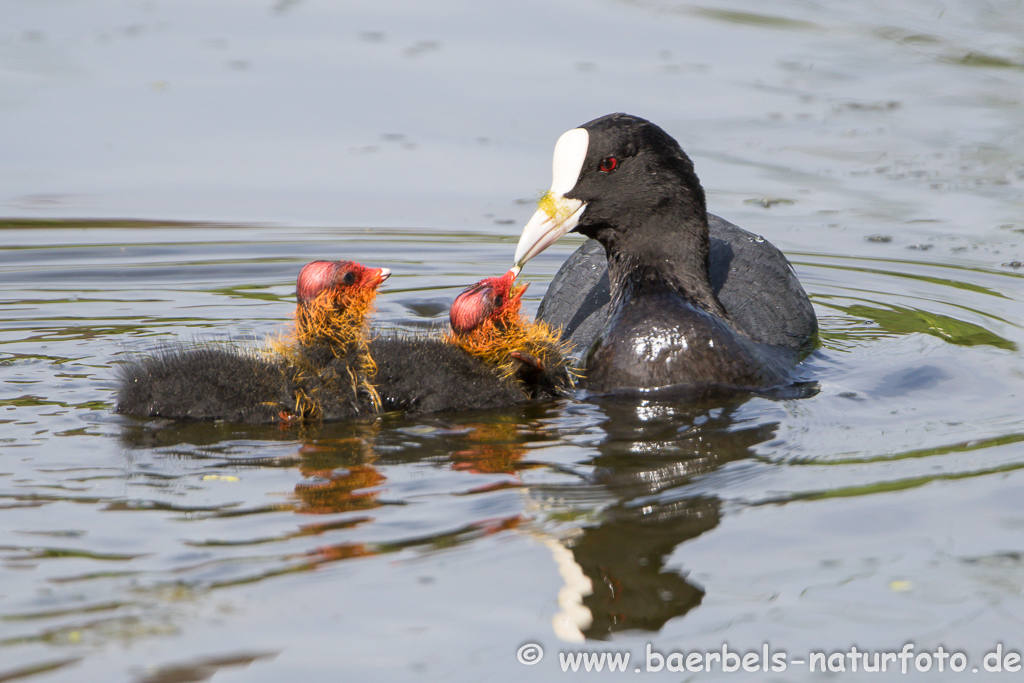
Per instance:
{"type": "Point", "coordinates": [378, 275]}
{"type": "Point", "coordinates": [518, 292]}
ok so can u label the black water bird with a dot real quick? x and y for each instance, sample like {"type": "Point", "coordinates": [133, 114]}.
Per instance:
{"type": "Point", "coordinates": [320, 373]}
{"type": "Point", "coordinates": [492, 358]}
{"type": "Point", "coordinates": [334, 367]}
{"type": "Point", "coordinates": [693, 302]}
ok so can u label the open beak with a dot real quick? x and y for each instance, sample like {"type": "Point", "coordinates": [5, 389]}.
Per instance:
{"type": "Point", "coordinates": [518, 292]}
{"type": "Point", "coordinates": [379, 275]}
{"type": "Point", "coordinates": [515, 293]}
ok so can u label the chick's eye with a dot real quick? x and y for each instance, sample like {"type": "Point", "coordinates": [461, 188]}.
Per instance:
{"type": "Point", "coordinates": [498, 301]}
{"type": "Point", "coordinates": [349, 278]}
{"type": "Point", "coordinates": [608, 164]}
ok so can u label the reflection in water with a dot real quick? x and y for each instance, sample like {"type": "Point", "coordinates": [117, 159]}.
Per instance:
{"type": "Point", "coordinates": [201, 668]}
{"type": "Point", "coordinates": [492, 449]}
{"type": "Point", "coordinates": [338, 477]}
{"type": "Point", "coordinates": [648, 447]}
{"type": "Point", "coordinates": [900, 320]}
{"type": "Point", "coordinates": [344, 478]}
{"type": "Point", "coordinates": [608, 534]}
{"type": "Point", "coordinates": [624, 558]}
{"type": "Point", "coordinates": [344, 467]}
{"type": "Point", "coordinates": [110, 564]}
{"type": "Point", "coordinates": [341, 490]}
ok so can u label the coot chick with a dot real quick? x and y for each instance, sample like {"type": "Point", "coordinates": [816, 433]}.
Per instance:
{"type": "Point", "coordinates": [487, 322]}
{"type": "Point", "coordinates": [321, 373]}
{"type": "Point", "coordinates": [624, 182]}
{"type": "Point", "coordinates": [328, 357]}
{"type": "Point", "coordinates": [491, 359]}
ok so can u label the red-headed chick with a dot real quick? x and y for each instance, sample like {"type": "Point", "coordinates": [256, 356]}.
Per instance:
{"type": "Point", "coordinates": [487, 322]}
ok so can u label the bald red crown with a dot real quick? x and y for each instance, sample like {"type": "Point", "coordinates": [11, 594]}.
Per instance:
{"type": "Point", "coordinates": [486, 300]}
{"type": "Point", "coordinates": [320, 276]}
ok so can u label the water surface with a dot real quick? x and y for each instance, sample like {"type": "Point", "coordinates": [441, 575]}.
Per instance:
{"type": "Point", "coordinates": [174, 166]}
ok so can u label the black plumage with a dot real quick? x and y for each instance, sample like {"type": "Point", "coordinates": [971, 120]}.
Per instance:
{"type": "Point", "coordinates": [332, 368]}
{"type": "Point", "coordinates": [431, 375]}
{"type": "Point", "coordinates": [238, 385]}
{"type": "Point", "coordinates": [684, 308]}
{"type": "Point", "coordinates": [750, 276]}
{"type": "Point", "coordinates": [320, 373]}
{"type": "Point", "coordinates": [492, 357]}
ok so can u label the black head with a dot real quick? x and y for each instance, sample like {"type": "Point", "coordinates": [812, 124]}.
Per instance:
{"type": "Point", "coordinates": [618, 179]}
{"type": "Point", "coordinates": [633, 169]}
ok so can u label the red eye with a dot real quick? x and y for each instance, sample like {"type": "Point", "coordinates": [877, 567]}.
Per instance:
{"type": "Point", "coordinates": [608, 164]}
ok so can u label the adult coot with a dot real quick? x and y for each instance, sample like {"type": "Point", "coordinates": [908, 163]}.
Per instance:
{"type": "Point", "coordinates": [686, 303]}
